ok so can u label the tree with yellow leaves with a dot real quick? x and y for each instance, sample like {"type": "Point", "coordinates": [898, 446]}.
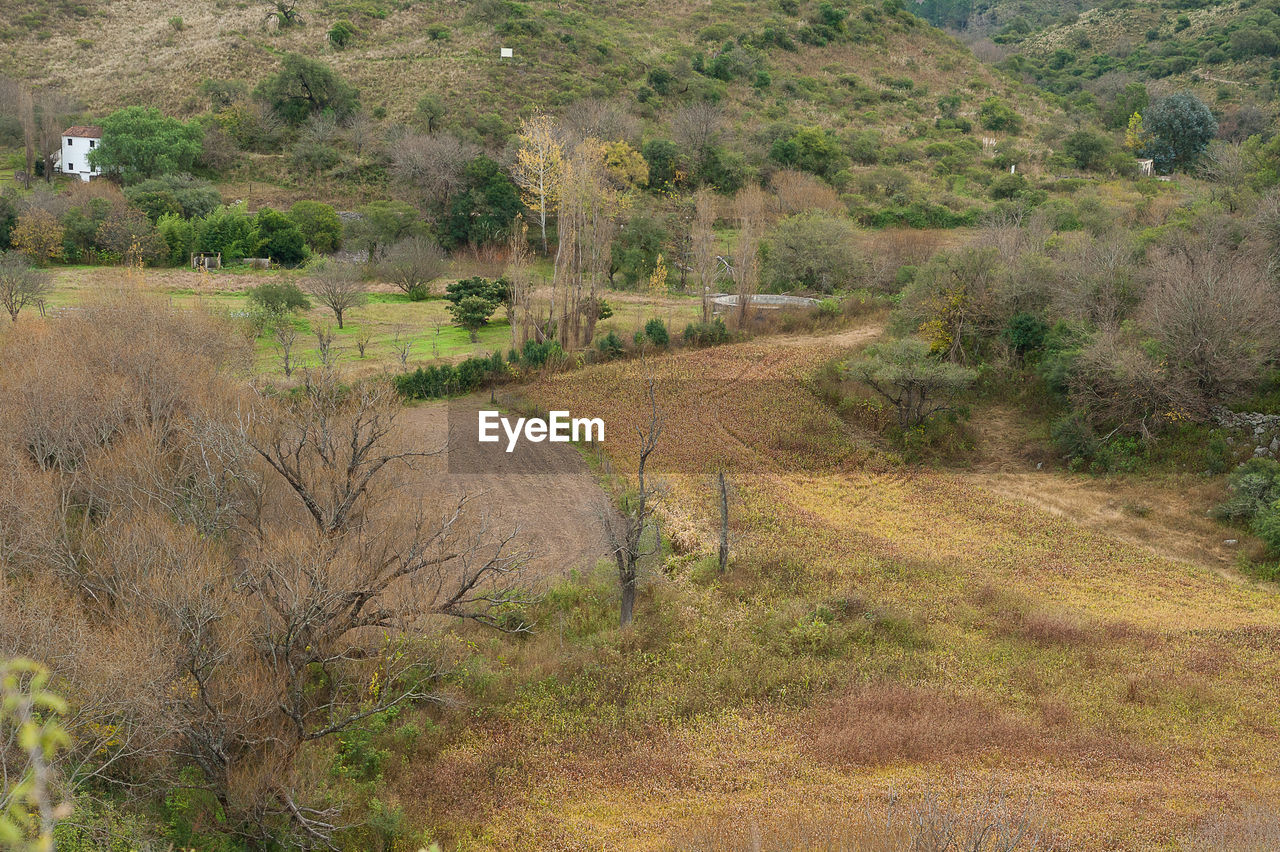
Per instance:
{"type": "Point", "coordinates": [1134, 134]}
{"type": "Point", "coordinates": [586, 222]}
{"type": "Point", "coordinates": [539, 167]}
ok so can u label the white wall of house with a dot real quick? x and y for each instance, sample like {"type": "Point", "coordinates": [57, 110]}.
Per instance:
{"type": "Point", "coordinates": [75, 157]}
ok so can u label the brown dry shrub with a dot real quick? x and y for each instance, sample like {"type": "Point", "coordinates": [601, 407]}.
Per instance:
{"type": "Point", "coordinates": [1053, 628]}
{"type": "Point", "coordinates": [887, 723]}
{"type": "Point", "coordinates": [987, 821]}
{"type": "Point", "coordinates": [796, 192]}
{"type": "Point", "coordinates": [1254, 828]}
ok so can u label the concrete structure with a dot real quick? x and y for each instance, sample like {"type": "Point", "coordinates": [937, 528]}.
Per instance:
{"type": "Point", "coordinates": [724, 302]}
{"type": "Point", "coordinates": [77, 142]}
{"type": "Point", "coordinates": [1146, 168]}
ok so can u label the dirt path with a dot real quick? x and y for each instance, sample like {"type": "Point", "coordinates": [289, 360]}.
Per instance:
{"type": "Point", "coordinates": [559, 515]}
{"type": "Point", "coordinates": [1167, 515]}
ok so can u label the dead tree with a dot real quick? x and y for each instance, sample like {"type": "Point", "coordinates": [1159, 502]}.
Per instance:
{"type": "Point", "coordinates": [284, 337]}
{"type": "Point", "coordinates": [324, 346]}
{"type": "Point", "coordinates": [626, 534]}
{"type": "Point", "coordinates": [724, 520]}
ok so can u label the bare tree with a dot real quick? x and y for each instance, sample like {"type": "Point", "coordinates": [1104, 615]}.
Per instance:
{"type": "Point", "coordinates": [518, 273]}
{"type": "Point", "coordinates": [283, 337]}
{"type": "Point", "coordinates": [626, 532]}
{"type": "Point", "coordinates": [21, 284]}
{"type": "Point", "coordinates": [359, 131]}
{"type": "Point", "coordinates": [51, 120]}
{"type": "Point", "coordinates": [413, 263]}
{"type": "Point", "coordinates": [431, 166]}
{"type": "Point", "coordinates": [706, 261]}
{"type": "Point", "coordinates": [723, 488]}
{"type": "Point", "coordinates": [748, 208]}
{"type": "Point", "coordinates": [27, 115]}
{"type": "Point", "coordinates": [324, 346]}
{"type": "Point", "coordinates": [363, 337]}
{"type": "Point", "coordinates": [592, 118]}
{"type": "Point", "coordinates": [402, 345]}
{"type": "Point", "coordinates": [337, 286]}
{"type": "Point", "coordinates": [697, 126]}
{"type": "Point", "coordinates": [1217, 318]}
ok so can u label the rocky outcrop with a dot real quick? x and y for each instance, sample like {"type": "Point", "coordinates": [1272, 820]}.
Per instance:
{"type": "Point", "coordinates": [1261, 429]}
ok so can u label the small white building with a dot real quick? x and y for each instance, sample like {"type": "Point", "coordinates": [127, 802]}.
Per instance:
{"type": "Point", "coordinates": [77, 142]}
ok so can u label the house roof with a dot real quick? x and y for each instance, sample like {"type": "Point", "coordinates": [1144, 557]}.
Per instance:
{"type": "Point", "coordinates": [84, 131]}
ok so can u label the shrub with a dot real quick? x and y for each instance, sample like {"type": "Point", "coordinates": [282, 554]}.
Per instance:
{"type": "Point", "coordinates": [341, 34]}
{"type": "Point", "coordinates": [179, 236]}
{"type": "Point", "coordinates": [1266, 526]}
{"type": "Point", "coordinates": [995, 114]}
{"type": "Point", "coordinates": [1007, 186]}
{"type": "Point", "coordinates": [811, 251]}
{"type": "Point", "coordinates": [537, 354]}
{"type": "Point", "coordinates": [656, 330]}
{"type": "Point", "coordinates": [1025, 333]}
{"type": "Point", "coordinates": [610, 346]}
{"type": "Point", "coordinates": [319, 223]}
{"type": "Point", "coordinates": [228, 230]}
{"type": "Point", "coordinates": [278, 238]}
{"type": "Point", "coordinates": [1254, 489]}
{"type": "Point", "coordinates": [441, 380]}
{"type": "Point", "coordinates": [279, 297]}
{"type": "Point", "coordinates": [710, 333]}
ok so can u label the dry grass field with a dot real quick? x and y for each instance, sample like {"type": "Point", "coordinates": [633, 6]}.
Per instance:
{"type": "Point", "coordinates": [884, 634]}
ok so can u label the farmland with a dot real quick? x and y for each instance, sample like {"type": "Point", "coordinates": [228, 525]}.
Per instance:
{"type": "Point", "coordinates": [881, 630]}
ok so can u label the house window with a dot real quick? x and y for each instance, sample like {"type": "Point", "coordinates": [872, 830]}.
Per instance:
{"type": "Point", "coordinates": [92, 143]}
{"type": "Point", "coordinates": [69, 142]}
{"type": "Point", "coordinates": [71, 167]}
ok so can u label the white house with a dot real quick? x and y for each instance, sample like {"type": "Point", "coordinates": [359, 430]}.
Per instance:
{"type": "Point", "coordinates": [77, 142]}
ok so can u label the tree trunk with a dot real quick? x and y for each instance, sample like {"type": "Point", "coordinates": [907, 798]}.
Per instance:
{"type": "Point", "coordinates": [627, 579]}
{"type": "Point", "coordinates": [724, 523]}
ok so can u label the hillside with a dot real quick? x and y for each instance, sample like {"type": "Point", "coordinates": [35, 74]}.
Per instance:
{"type": "Point", "coordinates": [1223, 51]}
{"type": "Point", "coordinates": [881, 82]}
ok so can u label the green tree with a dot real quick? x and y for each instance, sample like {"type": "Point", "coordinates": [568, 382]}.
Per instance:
{"type": "Point", "coordinates": [430, 111]}
{"type": "Point", "coordinates": [179, 237]}
{"type": "Point", "coordinates": [995, 114]}
{"type": "Point", "coordinates": [305, 87]}
{"type": "Point", "coordinates": [473, 300]}
{"type": "Point", "coordinates": [319, 224]}
{"type": "Point", "coordinates": [634, 253]}
{"type": "Point", "coordinates": [383, 224]}
{"type": "Point", "coordinates": [279, 238]}
{"type": "Point", "coordinates": [1178, 131]}
{"type": "Point", "coordinates": [342, 33]}
{"type": "Point", "coordinates": [8, 220]}
{"type": "Point", "coordinates": [811, 251]}
{"type": "Point", "coordinates": [1086, 149]}
{"type": "Point", "coordinates": [1132, 98]}
{"type": "Point", "coordinates": [227, 230]}
{"type": "Point", "coordinates": [915, 382]}
{"type": "Point", "coordinates": [810, 149]}
{"type": "Point", "coordinates": [139, 143]}
{"type": "Point", "coordinates": [663, 158]}
{"type": "Point", "coordinates": [472, 313]}
{"type": "Point", "coordinates": [485, 208]}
